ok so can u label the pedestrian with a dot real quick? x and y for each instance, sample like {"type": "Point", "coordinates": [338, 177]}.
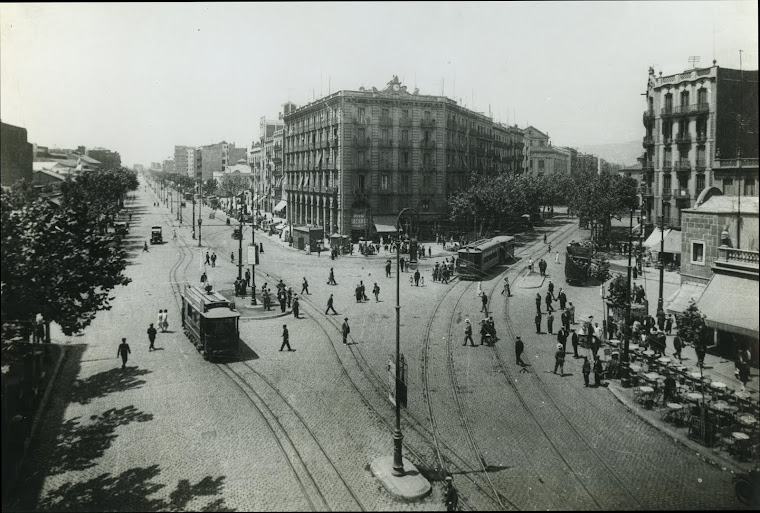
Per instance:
{"type": "Point", "coordinates": [562, 297]}
{"type": "Point", "coordinates": [159, 318]}
{"type": "Point", "coordinates": [565, 320]}
{"type": "Point", "coordinates": [562, 337]}
{"type": "Point", "coordinates": [668, 324]}
{"type": "Point", "coordinates": [574, 341]}
{"type": "Point", "coordinates": [124, 352]}
{"type": "Point", "coordinates": [358, 294]}
{"type": "Point", "coordinates": [290, 296]}
{"type": "Point", "coordinates": [538, 322]}
{"type": "Point", "coordinates": [295, 307]}
{"type": "Point", "coordinates": [417, 278]}
{"type": "Point", "coordinates": [571, 311]}
{"type": "Point", "coordinates": [237, 287]}
{"type": "Point", "coordinates": [267, 299]}
{"type": "Point", "coordinates": [743, 371]}
{"type": "Point", "coordinates": [305, 286]}
{"type": "Point", "coordinates": [232, 256]}
{"type": "Point", "coordinates": [530, 266]}
{"type": "Point", "coordinates": [484, 300]}
{"type": "Point", "coordinates": [285, 338]}
{"type": "Point", "coordinates": [483, 332]}
{"type": "Point", "coordinates": [677, 346]}
{"type": "Point", "coordinates": [261, 247]}
{"type": "Point", "coordinates": [283, 302]}
{"type": "Point", "coordinates": [331, 278]}
{"type": "Point", "coordinates": [468, 333]}
{"type": "Point", "coordinates": [165, 321]}
{"type": "Point", "coordinates": [345, 329]}
{"type": "Point", "coordinates": [452, 496]}
{"type": "Point", "coordinates": [208, 258]}
{"type": "Point", "coordinates": [430, 251]}
{"type": "Point", "coordinates": [598, 371]}
{"type": "Point", "coordinates": [151, 337]}
{"type": "Point", "coordinates": [550, 323]}
{"type": "Point", "coordinates": [559, 360]}
{"type": "Point", "coordinates": [701, 350]}
{"type": "Point", "coordinates": [549, 302]}
{"type": "Point", "coordinates": [538, 303]}
{"type": "Point", "coordinates": [376, 292]}
{"type": "Point", "coordinates": [319, 250]}
{"type": "Point", "coordinates": [204, 278]}
{"type": "Point", "coordinates": [145, 247]}
{"type": "Point", "coordinates": [556, 257]}
{"type": "Point", "coordinates": [330, 305]}
{"type": "Point", "coordinates": [248, 277]}
{"type": "Point", "coordinates": [388, 268]}
{"type": "Point", "coordinates": [506, 290]}
{"type": "Point", "coordinates": [551, 290]}
{"type": "Point", "coordinates": [362, 288]}
{"type": "Point", "coordinates": [519, 348]}
{"type": "Point", "coordinates": [661, 320]}
{"type": "Point", "coordinates": [544, 238]}
{"type": "Point", "coordinates": [586, 369]}
{"type": "Point", "coordinates": [542, 267]}
{"type": "Point", "coordinates": [213, 259]}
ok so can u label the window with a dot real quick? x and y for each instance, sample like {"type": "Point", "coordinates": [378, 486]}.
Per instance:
{"type": "Point", "coordinates": [361, 113]}
{"type": "Point", "coordinates": [698, 252]}
{"type": "Point", "coordinates": [425, 158]}
{"type": "Point", "coordinates": [405, 183]}
{"type": "Point", "coordinates": [385, 113]}
{"type": "Point", "coordinates": [700, 183]}
{"type": "Point", "coordinates": [406, 158]}
{"type": "Point", "coordinates": [362, 134]}
{"type": "Point", "coordinates": [426, 181]}
{"type": "Point", "coordinates": [666, 184]}
{"type": "Point", "coordinates": [405, 135]}
{"type": "Point", "coordinates": [361, 158]}
{"type": "Point", "coordinates": [728, 187]}
{"type": "Point", "coordinates": [386, 135]}
{"type": "Point", "coordinates": [384, 182]}
{"type": "Point", "coordinates": [405, 113]}
{"type": "Point", "coordinates": [540, 165]}
{"type": "Point", "coordinates": [749, 187]}
{"type": "Point", "coordinates": [426, 135]}
{"type": "Point", "coordinates": [427, 115]}
{"type": "Point", "coordinates": [360, 182]}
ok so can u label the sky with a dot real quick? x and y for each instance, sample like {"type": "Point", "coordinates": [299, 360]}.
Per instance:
{"type": "Point", "coordinates": [142, 78]}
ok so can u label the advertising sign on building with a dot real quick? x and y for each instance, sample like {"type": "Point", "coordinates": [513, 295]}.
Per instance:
{"type": "Point", "coordinates": [359, 220]}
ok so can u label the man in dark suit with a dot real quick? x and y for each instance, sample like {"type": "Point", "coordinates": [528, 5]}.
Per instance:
{"type": "Point", "coordinates": [345, 329]}
{"type": "Point", "coordinates": [285, 338]}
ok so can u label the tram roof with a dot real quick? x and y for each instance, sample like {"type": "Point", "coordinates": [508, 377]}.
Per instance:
{"type": "Point", "coordinates": [486, 244]}
{"type": "Point", "coordinates": [203, 301]}
{"type": "Point", "coordinates": [221, 313]}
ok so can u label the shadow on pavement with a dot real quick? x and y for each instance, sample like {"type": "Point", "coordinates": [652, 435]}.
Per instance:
{"type": "Point", "coordinates": [78, 445]}
{"type": "Point", "coordinates": [107, 382]}
{"type": "Point", "coordinates": [245, 353]}
{"type": "Point", "coordinates": [131, 491]}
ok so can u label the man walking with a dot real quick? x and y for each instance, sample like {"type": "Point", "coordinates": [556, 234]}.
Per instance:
{"type": "Point", "coordinates": [506, 290]}
{"type": "Point", "coordinates": [330, 305]}
{"type": "Point", "coordinates": [151, 336]}
{"type": "Point", "coordinates": [574, 340]}
{"type": "Point", "coordinates": [551, 289]}
{"type": "Point", "coordinates": [452, 496]}
{"type": "Point", "coordinates": [283, 301]}
{"type": "Point", "coordinates": [549, 302]}
{"type": "Point", "coordinates": [388, 268]}
{"type": "Point", "coordinates": [248, 277]}
{"type": "Point", "coordinates": [345, 329]}
{"type": "Point", "coordinates": [204, 278]}
{"type": "Point", "coordinates": [519, 348]}
{"type": "Point", "coordinates": [562, 337]}
{"type": "Point", "coordinates": [145, 247]}
{"type": "Point", "coordinates": [295, 307]}
{"type": "Point", "coordinates": [468, 333]}
{"type": "Point", "coordinates": [417, 277]}
{"type": "Point", "coordinates": [213, 259]}
{"type": "Point", "coordinates": [331, 279]}
{"type": "Point", "coordinates": [305, 286]}
{"type": "Point", "coordinates": [571, 312]}
{"type": "Point", "coordinates": [562, 299]}
{"type": "Point", "coordinates": [598, 371]}
{"type": "Point", "coordinates": [586, 369]}
{"type": "Point", "coordinates": [565, 319]}
{"type": "Point", "coordinates": [677, 346]}
{"type": "Point", "coordinates": [124, 351]}
{"type": "Point", "coordinates": [538, 322]}
{"type": "Point", "coordinates": [550, 323]}
{"type": "Point", "coordinates": [208, 258]}
{"type": "Point", "coordinates": [559, 360]}
{"type": "Point", "coordinates": [376, 292]}
{"type": "Point", "coordinates": [484, 300]}
{"type": "Point", "coordinates": [556, 257]}
{"type": "Point", "coordinates": [285, 338]}
{"type": "Point", "coordinates": [538, 303]}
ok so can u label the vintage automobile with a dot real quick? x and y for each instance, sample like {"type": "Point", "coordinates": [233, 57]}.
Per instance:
{"type": "Point", "coordinates": [156, 236]}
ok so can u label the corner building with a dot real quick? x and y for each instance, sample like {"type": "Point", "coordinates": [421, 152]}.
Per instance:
{"type": "Point", "coordinates": [354, 159]}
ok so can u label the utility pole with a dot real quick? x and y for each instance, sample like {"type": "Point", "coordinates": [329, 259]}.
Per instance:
{"type": "Point", "coordinates": [625, 379]}
{"type": "Point", "coordinates": [661, 258]}
{"type": "Point", "coordinates": [240, 247]}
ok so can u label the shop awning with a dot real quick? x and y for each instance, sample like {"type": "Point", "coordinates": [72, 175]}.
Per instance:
{"type": "Point", "coordinates": [672, 241]}
{"type": "Point", "coordinates": [730, 304]}
{"type": "Point", "coordinates": [679, 302]}
{"type": "Point", "coordinates": [385, 224]}
{"type": "Point", "coordinates": [282, 204]}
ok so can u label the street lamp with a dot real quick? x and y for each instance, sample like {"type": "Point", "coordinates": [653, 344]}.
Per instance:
{"type": "Point", "coordinates": [625, 378]}
{"type": "Point", "coordinates": [398, 463]}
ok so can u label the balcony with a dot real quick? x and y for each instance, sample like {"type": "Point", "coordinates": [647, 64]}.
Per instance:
{"type": "Point", "coordinates": [361, 120]}
{"type": "Point", "coordinates": [405, 143]}
{"type": "Point", "coordinates": [648, 116]}
{"type": "Point", "coordinates": [682, 165]}
{"type": "Point", "coordinates": [701, 138]}
{"type": "Point", "coordinates": [702, 108]}
{"type": "Point", "coordinates": [701, 165]}
{"type": "Point", "coordinates": [428, 144]}
{"type": "Point", "coordinates": [647, 192]}
{"type": "Point", "coordinates": [405, 121]}
{"type": "Point", "coordinates": [667, 193]}
{"type": "Point", "coordinates": [667, 111]}
{"type": "Point", "coordinates": [429, 122]}
{"type": "Point", "coordinates": [734, 163]}
{"type": "Point", "coordinates": [648, 141]}
{"type": "Point", "coordinates": [385, 143]}
{"type": "Point", "coordinates": [667, 140]}
{"type": "Point", "coordinates": [737, 258]}
{"type": "Point", "coordinates": [682, 195]}
{"type": "Point", "coordinates": [386, 120]}
{"type": "Point", "coordinates": [362, 142]}
{"type": "Point", "coordinates": [667, 167]}
{"type": "Point", "coordinates": [683, 138]}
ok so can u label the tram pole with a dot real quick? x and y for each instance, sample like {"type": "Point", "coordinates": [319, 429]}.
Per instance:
{"type": "Point", "coordinates": [625, 379]}
{"type": "Point", "coordinates": [240, 247]}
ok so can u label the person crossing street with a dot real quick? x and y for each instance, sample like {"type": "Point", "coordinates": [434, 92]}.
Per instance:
{"type": "Point", "coordinates": [330, 305]}
{"type": "Point", "coordinates": [345, 329]}
{"type": "Point", "coordinates": [305, 286]}
{"type": "Point", "coordinates": [285, 338]}
{"type": "Point", "coordinates": [124, 352]}
{"type": "Point", "coordinates": [468, 333]}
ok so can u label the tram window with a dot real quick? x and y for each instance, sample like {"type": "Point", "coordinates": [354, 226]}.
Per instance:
{"type": "Point", "coordinates": [222, 328]}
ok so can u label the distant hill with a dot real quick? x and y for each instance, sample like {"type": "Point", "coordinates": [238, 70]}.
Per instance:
{"type": "Point", "coordinates": [624, 154]}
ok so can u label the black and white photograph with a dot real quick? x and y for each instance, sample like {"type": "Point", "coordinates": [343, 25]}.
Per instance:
{"type": "Point", "coordinates": [380, 256]}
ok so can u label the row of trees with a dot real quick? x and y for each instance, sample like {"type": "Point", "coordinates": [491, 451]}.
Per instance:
{"type": "Point", "coordinates": [58, 260]}
{"type": "Point", "coordinates": [495, 201]}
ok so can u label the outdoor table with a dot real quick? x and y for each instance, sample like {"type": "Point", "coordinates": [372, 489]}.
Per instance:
{"type": "Point", "coordinates": [664, 360]}
{"type": "Point", "coordinates": [742, 394]}
{"type": "Point", "coordinates": [635, 367]}
{"type": "Point", "coordinates": [653, 376]}
{"type": "Point", "coordinates": [724, 407]}
{"type": "Point", "coordinates": [740, 436]}
{"type": "Point", "coordinates": [646, 396]}
{"type": "Point", "coordinates": [679, 368]}
{"type": "Point", "coordinates": [633, 347]}
{"type": "Point", "coordinates": [695, 375]}
{"type": "Point", "coordinates": [718, 385]}
{"type": "Point", "coordinates": [748, 420]}
{"type": "Point", "coordinates": [694, 396]}
{"type": "Point", "coordinates": [674, 412]}
{"type": "Point", "coordinates": [648, 353]}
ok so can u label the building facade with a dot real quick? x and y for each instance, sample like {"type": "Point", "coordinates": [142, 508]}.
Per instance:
{"type": "Point", "coordinates": [354, 159]}
{"type": "Point", "coordinates": [109, 159]}
{"type": "Point", "coordinates": [701, 130]}
{"type": "Point", "coordinates": [212, 158]}
{"type": "Point", "coordinates": [168, 166]}
{"type": "Point", "coordinates": [543, 158]}
{"type": "Point", "coordinates": [184, 160]}
{"type": "Point", "coordinates": [16, 155]}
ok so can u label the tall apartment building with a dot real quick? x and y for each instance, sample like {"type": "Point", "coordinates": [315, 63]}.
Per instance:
{"type": "Point", "coordinates": [212, 158]}
{"type": "Point", "coordinates": [701, 130]}
{"type": "Point", "coordinates": [543, 158]}
{"type": "Point", "coordinates": [16, 155]}
{"type": "Point", "coordinates": [508, 142]}
{"type": "Point", "coordinates": [108, 158]}
{"type": "Point", "coordinates": [269, 172]}
{"type": "Point", "coordinates": [169, 166]}
{"type": "Point", "coordinates": [184, 160]}
{"type": "Point", "coordinates": [354, 159]}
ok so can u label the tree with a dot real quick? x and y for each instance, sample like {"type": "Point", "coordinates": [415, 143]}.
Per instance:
{"type": "Point", "coordinates": [210, 187]}
{"type": "Point", "coordinates": [691, 324]}
{"type": "Point", "coordinates": [56, 261]}
{"type": "Point", "coordinates": [599, 197]}
{"type": "Point", "coordinates": [101, 192]}
{"type": "Point", "coordinates": [618, 292]}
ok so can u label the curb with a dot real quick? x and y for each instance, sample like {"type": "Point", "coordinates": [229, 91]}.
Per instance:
{"type": "Point", "coordinates": [707, 454]}
{"type": "Point", "coordinates": [267, 317]}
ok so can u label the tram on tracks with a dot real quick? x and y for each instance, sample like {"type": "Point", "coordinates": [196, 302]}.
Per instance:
{"type": "Point", "coordinates": [211, 322]}
{"type": "Point", "coordinates": [578, 262]}
{"type": "Point", "coordinates": [476, 259]}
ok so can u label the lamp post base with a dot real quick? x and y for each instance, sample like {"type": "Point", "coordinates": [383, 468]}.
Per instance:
{"type": "Point", "coordinates": [412, 486]}
{"type": "Point", "coordinates": [398, 460]}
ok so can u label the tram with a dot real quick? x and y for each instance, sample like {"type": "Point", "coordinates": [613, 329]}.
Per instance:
{"type": "Point", "coordinates": [578, 261]}
{"type": "Point", "coordinates": [210, 322]}
{"type": "Point", "coordinates": [477, 258]}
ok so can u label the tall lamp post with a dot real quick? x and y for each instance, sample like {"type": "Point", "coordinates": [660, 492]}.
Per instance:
{"type": "Point", "coordinates": [625, 379]}
{"type": "Point", "coordinates": [661, 258]}
{"type": "Point", "coordinates": [192, 219]}
{"type": "Point", "coordinates": [398, 463]}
